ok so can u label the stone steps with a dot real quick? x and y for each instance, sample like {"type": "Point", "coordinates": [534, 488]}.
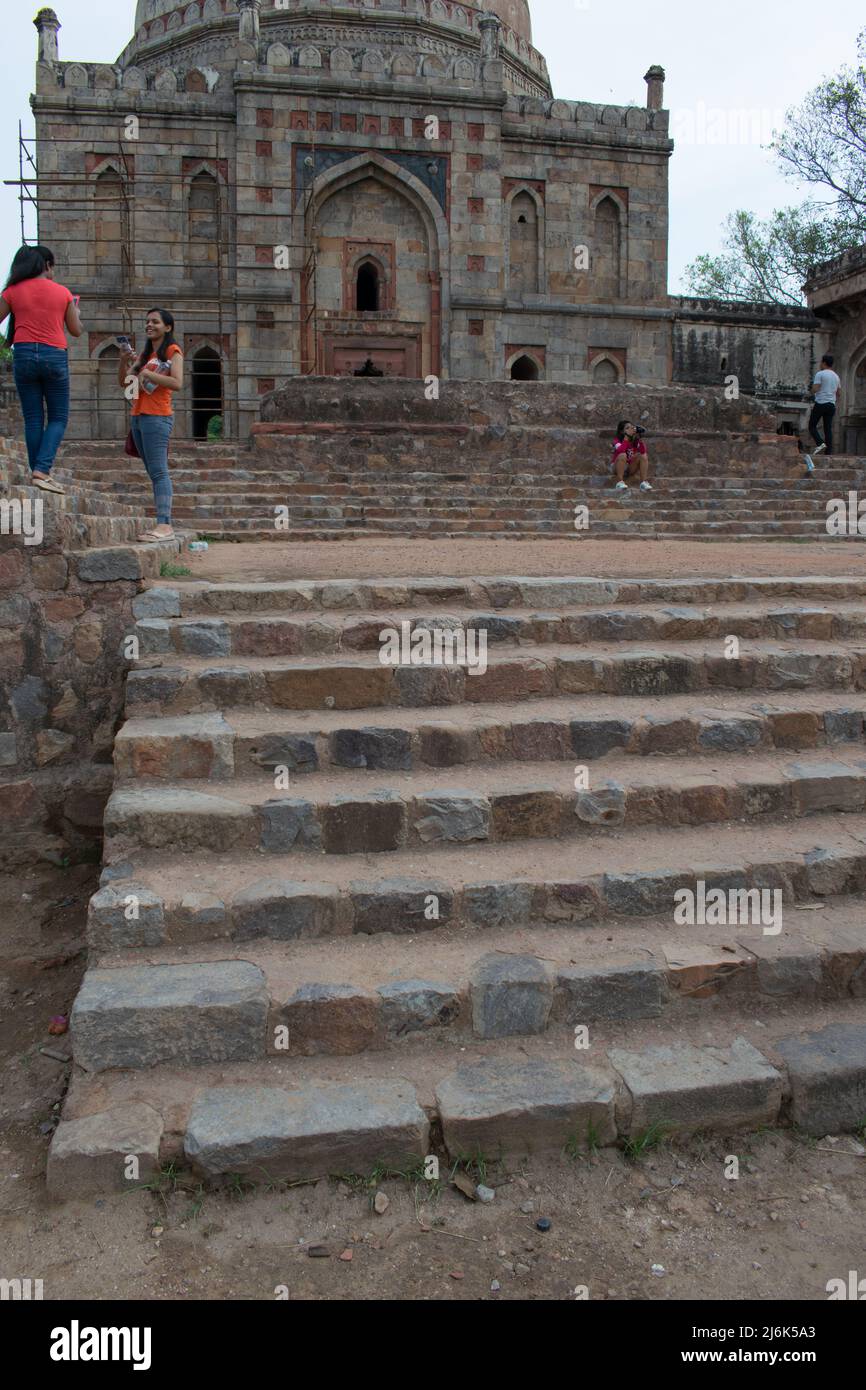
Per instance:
{"type": "Point", "coordinates": [342, 814]}
{"type": "Point", "coordinates": [275, 634]}
{"type": "Point", "coordinates": [360, 681]}
{"type": "Point", "coordinates": [295, 1119]}
{"type": "Point", "coordinates": [600, 875]}
{"type": "Point", "coordinates": [251, 743]}
{"type": "Point", "coordinates": [496, 592]}
{"type": "Point", "coordinates": [356, 994]}
{"type": "Point", "coordinates": [431, 878]}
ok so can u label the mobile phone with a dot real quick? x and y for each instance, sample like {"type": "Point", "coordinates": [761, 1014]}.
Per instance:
{"type": "Point", "coordinates": [123, 342]}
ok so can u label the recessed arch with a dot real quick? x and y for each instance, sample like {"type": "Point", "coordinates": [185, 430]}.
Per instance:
{"type": "Point", "coordinates": [525, 242]}
{"type": "Point", "coordinates": [206, 387]}
{"type": "Point", "coordinates": [376, 166]}
{"type": "Point", "coordinates": [524, 366]}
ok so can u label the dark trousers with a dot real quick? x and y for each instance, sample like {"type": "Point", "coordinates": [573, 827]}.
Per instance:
{"type": "Point", "coordinates": [41, 376]}
{"type": "Point", "coordinates": [822, 414]}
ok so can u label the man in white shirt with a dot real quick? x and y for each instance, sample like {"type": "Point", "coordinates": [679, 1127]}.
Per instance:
{"type": "Point", "coordinates": [826, 389]}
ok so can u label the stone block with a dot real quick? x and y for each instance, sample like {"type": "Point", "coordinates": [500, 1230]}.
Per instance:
{"type": "Point", "coordinates": [498, 904]}
{"type": "Point", "coordinates": [382, 749]}
{"type": "Point", "coordinates": [827, 1072]}
{"type": "Point", "coordinates": [285, 911]}
{"type": "Point", "coordinates": [593, 738]}
{"type": "Point", "coordinates": [308, 1132]}
{"type": "Point", "coordinates": [179, 820]}
{"type": "Point", "coordinates": [413, 1006]}
{"type": "Point", "coordinates": [206, 637]}
{"type": "Point", "coordinates": [128, 915]}
{"type": "Point", "coordinates": [90, 1156]}
{"type": "Point", "coordinates": [614, 992]}
{"type": "Point", "coordinates": [157, 603]}
{"type": "Point", "coordinates": [843, 725]}
{"type": "Point", "coordinates": [826, 787]}
{"type": "Point", "coordinates": [140, 1016]}
{"type": "Point", "coordinates": [457, 817]}
{"type": "Point", "coordinates": [683, 1087]}
{"type": "Point", "coordinates": [370, 824]}
{"type": "Point", "coordinates": [510, 995]}
{"type": "Point", "coordinates": [603, 805]}
{"type": "Point", "coordinates": [447, 745]}
{"type": "Point", "coordinates": [332, 1019]}
{"type": "Point", "coordinates": [505, 1107]}
{"type": "Point", "coordinates": [527, 814]}
{"type": "Point", "coordinates": [400, 905]}
{"type": "Point", "coordinates": [289, 823]}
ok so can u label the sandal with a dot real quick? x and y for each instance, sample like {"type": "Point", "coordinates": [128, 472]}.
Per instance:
{"type": "Point", "coordinates": [48, 485]}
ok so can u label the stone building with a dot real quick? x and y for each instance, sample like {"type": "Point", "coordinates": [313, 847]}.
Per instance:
{"type": "Point", "coordinates": [836, 291]}
{"type": "Point", "coordinates": [312, 185]}
{"type": "Point", "coordinates": [309, 184]}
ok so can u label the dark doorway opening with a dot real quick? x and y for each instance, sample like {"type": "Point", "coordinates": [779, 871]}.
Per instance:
{"type": "Point", "coordinates": [367, 290]}
{"type": "Point", "coordinates": [207, 390]}
{"type": "Point", "coordinates": [524, 369]}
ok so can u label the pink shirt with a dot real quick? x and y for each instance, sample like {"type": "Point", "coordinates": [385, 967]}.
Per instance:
{"type": "Point", "coordinates": [629, 447]}
{"type": "Point", "coordinates": [39, 306]}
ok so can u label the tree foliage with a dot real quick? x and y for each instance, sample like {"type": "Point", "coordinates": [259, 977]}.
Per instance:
{"type": "Point", "coordinates": [824, 146]}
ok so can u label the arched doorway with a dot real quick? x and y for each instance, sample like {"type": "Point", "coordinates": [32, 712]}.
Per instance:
{"type": "Point", "coordinates": [110, 401]}
{"type": "Point", "coordinates": [207, 390]}
{"type": "Point", "coordinates": [524, 369]}
{"type": "Point", "coordinates": [605, 373]}
{"type": "Point", "coordinates": [367, 296]}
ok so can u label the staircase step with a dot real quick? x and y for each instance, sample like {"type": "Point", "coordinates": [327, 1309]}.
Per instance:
{"type": "Point", "coordinates": [248, 743]}
{"type": "Point", "coordinates": [521, 674]}
{"type": "Point", "coordinates": [300, 1120]}
{"type": "Point", "coordinates": [603, 876]}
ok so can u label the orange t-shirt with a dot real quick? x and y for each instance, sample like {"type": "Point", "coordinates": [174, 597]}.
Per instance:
{"type": "Point", "coordinates": [156, 402]}
{"type": "Point", "coordinates": [39, 306]}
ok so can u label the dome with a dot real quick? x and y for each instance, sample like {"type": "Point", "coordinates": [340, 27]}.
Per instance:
{"type": "Point", "coordinates": [514, 13]}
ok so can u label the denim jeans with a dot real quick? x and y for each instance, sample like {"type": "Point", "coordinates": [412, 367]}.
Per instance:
{"type": "Point", "coordinates": [42, 379]}
{"type": "Point", "coordinates": [151, 434]}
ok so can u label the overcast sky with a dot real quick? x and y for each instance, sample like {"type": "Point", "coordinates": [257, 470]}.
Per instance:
{"type": "Point", "coordinates": [732, 71]}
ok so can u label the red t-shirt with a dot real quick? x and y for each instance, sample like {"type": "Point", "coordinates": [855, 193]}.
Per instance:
{"type": "Point", "coordinates": [39, 306]}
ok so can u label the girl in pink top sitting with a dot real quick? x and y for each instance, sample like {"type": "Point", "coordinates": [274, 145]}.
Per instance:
{"type": "Point", "coordinates": [630, 457]}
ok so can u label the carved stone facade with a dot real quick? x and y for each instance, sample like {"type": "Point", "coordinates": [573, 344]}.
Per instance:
{"type": "Point", "coordinates": [308, 184]}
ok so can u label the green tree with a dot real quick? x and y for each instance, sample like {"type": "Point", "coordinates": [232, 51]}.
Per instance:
{"type": "Point", "coordinates": [823, 145]}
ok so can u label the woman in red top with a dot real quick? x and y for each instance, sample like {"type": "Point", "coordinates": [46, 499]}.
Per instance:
{"type": "Point", "coordinates": [151, 380]}
{"type": "Point", "coordinates": [41, 310]}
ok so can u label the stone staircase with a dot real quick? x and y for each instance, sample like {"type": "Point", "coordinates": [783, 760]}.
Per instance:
{"type": "Point", "coordinates": [252, 498]}
{"type": "Point", "coordinates": [356, 913]}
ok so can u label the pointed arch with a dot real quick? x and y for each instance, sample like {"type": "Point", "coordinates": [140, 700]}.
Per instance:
{"type": "Point", "coordinates": [375, 165]}
{"type": "Point", "coordinates": [610, 253]}
{"type": "Point", "coordinates": [524, 365]}
{"type": "Point", "coordinates": [525, 268]}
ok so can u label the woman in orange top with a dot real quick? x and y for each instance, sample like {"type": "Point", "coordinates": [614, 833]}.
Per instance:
{"type": "Point", "coordinates": [150, 383]}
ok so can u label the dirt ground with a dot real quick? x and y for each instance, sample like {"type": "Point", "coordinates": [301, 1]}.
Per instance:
{"type": "Point", "coordinates": [393, 558]}
{"type": "Point", "coordinates": [664, 1225]}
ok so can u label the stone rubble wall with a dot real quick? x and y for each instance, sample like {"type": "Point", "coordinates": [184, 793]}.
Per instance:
{"type": "Point", "coordinates": [64, 614]}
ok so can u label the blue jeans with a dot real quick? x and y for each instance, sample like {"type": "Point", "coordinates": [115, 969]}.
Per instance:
{"type": "Point", "coordinates": [151, 434]}
{"type": "Point", "coordinates": [42, 379]}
